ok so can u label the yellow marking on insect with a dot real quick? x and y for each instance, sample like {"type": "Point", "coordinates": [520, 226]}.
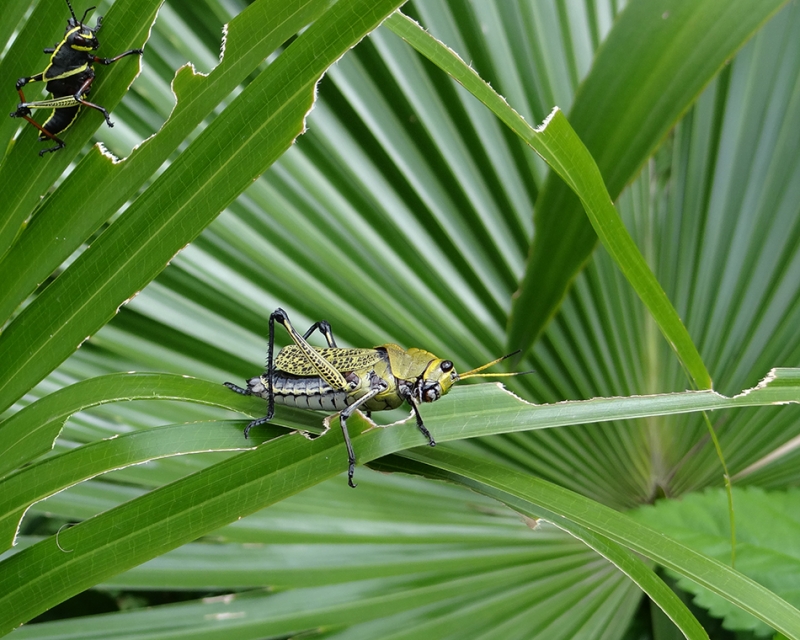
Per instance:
{"type": "Point", "coordinates": [69, 124]}
{"type": "Point", "coordinates": [54, 103]}
{"type": "Point", "coordinates": [66, 74]}
{"type": "Point", "coordinates": [58, 48]}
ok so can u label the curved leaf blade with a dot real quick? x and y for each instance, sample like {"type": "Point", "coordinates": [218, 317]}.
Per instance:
{"type": "Point", "coordinates": [558, 144]}
{"type": "Point", "coordinates": [32, 431]}
{"type": "Point", "coordinates": [539, 498]}
{"type": "Point", "coordinates": [33, 580]}
{"type": "Point", "coordinates": [250, 37]}
{"type": "Point", "coordinates": [225, 158]}
{"type": "Point", "coordinates": [653, 65]}
{"type": "Point", "coordinates": [51, 475]}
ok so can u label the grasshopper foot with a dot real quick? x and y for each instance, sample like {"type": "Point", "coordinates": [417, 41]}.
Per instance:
{"type": "Point", "coordinates": [21, 112]}
{"type": "Point", "coordinates": [58, 146]}
{"type": "Point", "coordinates": [256, 423]}
{"type": "Point", "coordinates": [350, 471]}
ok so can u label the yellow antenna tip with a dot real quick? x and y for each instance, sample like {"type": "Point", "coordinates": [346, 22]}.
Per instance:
{"type": "Point", "coordinates": [475, 373]}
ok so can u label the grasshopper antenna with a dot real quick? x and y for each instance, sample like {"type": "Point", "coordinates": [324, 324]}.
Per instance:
{"type": "Point", "coordinates": [72, 11]}
{"type": "Point", "coordinates": [86, 13]}
{"type": "Point", "coordinates": [476, 373]}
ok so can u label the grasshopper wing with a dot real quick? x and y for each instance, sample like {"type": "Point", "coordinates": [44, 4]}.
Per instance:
{"type": "Point", "coordinates": [292, 360]}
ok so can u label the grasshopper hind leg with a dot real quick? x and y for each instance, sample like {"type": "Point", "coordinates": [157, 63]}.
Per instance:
{"type": "Point", "coordinates": [262, 386]}
{"type": "Point", "coordinates": [255, 423]}
{"type": "Point", "coordinates": [324, 327]}
{"type": "Point", "coordinates": [23, 111]}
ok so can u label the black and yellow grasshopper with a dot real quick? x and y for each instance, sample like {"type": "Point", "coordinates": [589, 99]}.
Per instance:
{"type": "Point", "coordinates": [69, 77]}
{"type": "Point", "coordinates": [337, 379]}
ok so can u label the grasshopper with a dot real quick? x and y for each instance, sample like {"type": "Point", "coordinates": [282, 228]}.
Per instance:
{"type": "Point", "coordinates": [337, 379]}
{"type": "Point", "coordinates": [69, 76]}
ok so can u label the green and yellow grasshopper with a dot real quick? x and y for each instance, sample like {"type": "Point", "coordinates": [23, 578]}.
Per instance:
{"type": "Point", "coordinates": [336, 379]}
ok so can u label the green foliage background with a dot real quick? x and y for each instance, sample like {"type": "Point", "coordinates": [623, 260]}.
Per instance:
{"type": "Point", "coordinates": [407, 212]}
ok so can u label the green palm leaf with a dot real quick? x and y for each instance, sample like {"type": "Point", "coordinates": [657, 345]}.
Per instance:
{"type": "Point", "coordinates": [403, 214]}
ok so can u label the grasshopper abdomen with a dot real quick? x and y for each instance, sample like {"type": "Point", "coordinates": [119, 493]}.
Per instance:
{"type": "Point", "coordinates": [302, 392]}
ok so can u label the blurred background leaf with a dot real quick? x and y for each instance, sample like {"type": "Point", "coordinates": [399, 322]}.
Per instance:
{"type": "Point", "coordinates": [406, 214]}
{"type": "Point", "coordinates": [770, 554]}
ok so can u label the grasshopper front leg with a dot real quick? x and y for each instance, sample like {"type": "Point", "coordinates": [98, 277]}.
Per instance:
{"type": "Point", "coordinates": [421, 425]}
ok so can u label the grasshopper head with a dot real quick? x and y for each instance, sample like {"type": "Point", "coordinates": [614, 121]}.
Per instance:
{"type": "Point", "coordinates": [435, 381]}
{"type": "Point", "coordinates": [427, 378]}
{"type": "Point", "coordinates": [81, 36]}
